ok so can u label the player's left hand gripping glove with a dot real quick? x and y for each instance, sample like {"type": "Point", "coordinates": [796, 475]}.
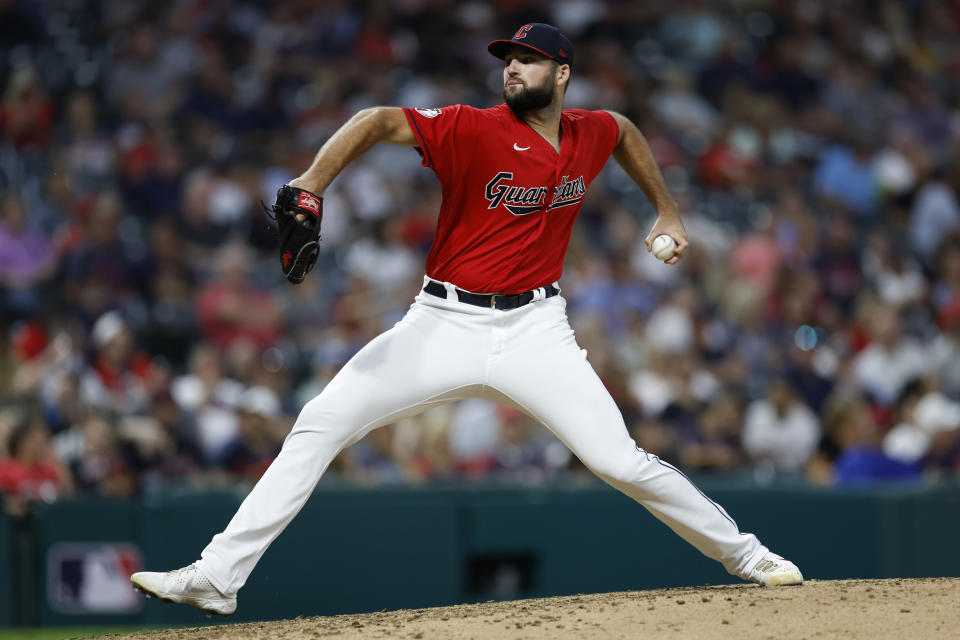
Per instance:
{"type": "Point", "coordinates": [299, 241]}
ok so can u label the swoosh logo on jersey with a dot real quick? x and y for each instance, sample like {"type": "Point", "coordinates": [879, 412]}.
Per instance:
{"type": "Point", "coordinates": [519, 148]}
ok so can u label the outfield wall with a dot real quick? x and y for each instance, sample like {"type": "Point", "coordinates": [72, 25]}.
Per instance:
{"type": "Point", "coordinates": [355, 550]}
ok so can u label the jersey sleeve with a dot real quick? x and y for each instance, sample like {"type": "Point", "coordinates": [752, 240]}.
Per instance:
{"type": "Point", "coordinates": [609, 131]}
{"type": "Point", "coordinates": [445, 136]}
{"type": "Point", "coordinates": [599, 133]}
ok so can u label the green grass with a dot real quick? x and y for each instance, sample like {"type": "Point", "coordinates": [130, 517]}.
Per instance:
{"type": "Point", "coordinates": [62, 633]}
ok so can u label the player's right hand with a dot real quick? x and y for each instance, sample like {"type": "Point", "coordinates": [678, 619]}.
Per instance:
{"type": "Point", "coordinates": [669, 226]}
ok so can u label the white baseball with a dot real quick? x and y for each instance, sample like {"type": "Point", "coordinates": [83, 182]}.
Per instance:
{"type": "Point", "coordinates": [663, 247]}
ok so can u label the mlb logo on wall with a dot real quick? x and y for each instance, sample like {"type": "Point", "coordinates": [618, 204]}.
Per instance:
{"type": "Point", "coordinates": [92, 577]}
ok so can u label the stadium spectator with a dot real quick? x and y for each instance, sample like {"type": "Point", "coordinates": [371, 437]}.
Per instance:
{"type": "Point", "coordinates": [382, 259]}
{"type": "Point", "coordinates": [946, 293]}
{"type": "Point", "coordinates": [421, 445]}
{"type": "Point", "coordinates": [373, 461]}
{"type": "Point", "coordinates": [907, 441]}
{"type": "Point", "coordinates": [897, 278]}
{"type": "Point", "coordinates": [89, 156]}
{"type": "Point", "coordinates": [231, 309]}
{"type": "Point", "coordinates": [211, 398]}
{"type": "Point", "coordinates": [101, 461]}
{"type": "Point", "coordinates": [682, 110]}
{"type": "Point", "coordinates": [28, 261]}
{"type": "Point", "coordinates": [168, 282]}
{"type": "Point", "coordinates": [852, 448]}
{"type": "Point", "coordinates": [928, 433]}
{"type": "Point", "coordinates": [845, 174]}
{"type": "Point", "coordinates": [165, 444]}
{"type": "Point", "coordinates": [31, 471]}
{"type": "Point", "coordinates": [837, 263]}
{"type": "Point", "coordinates": [890, 360]}
{"type": "Point", "coordinates": [935, 213]}
{"type": "Point", "coordinates": [117, 379]}
{"type": "Point", "coordinates": [526, 453]}
{"type": "Point", "coordinates": [259, 435]}
{"type": "Point", "coordinates": [715, 443]}
{"type": "Point", "coordinates": [26, 113]}
{"type": "Point", "coordinates": [946, 351]}
{"type": "Point", "coordinates": [97, 264]}
{"type": "Point", "coordinates": [780, 430]}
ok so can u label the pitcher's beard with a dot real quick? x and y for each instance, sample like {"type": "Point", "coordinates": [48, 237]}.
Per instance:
{"type": "Point", "coordinates": [530, 98]}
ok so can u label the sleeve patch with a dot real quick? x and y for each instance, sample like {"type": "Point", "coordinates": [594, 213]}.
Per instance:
{"type": "Point", "coordinates": [428, 113]}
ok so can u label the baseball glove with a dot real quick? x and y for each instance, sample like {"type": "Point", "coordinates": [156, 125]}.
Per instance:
{"type": "Point", "coordinates": [299, 241]}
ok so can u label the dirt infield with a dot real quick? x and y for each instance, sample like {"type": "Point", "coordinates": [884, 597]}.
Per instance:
{"type": "Point", "coordinates": [913, 609]}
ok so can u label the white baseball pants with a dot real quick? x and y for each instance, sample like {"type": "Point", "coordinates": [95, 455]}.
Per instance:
{"type": "Point", "coordinates": [445, 350]}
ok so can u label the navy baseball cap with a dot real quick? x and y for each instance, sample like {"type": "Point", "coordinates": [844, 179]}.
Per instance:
{"type": "Point", "coordinates": [542, 38]}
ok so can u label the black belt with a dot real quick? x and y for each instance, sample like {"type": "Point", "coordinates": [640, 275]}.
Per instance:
{"type": "Point", "coordinates": [490, 300]}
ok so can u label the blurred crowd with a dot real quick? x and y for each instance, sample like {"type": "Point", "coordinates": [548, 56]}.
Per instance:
{"type": "Point", "coordinates": [811, 331]}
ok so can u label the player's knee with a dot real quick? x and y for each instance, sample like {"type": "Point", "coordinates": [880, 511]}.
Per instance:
{"type": "Point", "coordinates": [324, 422]}
{"type": "Point", "coordinates": [617, 469]}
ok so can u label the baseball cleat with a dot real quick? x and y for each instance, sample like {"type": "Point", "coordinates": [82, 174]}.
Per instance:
{"type": "Point", "coordinates": [184, 586]}
{"type": "Point", "coordinates": [774, 571]}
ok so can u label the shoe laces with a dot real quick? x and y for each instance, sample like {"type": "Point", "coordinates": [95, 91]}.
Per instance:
{"type": "Point", "coordinates": [198, 578]}
{"type": "Point", "coordinates": [183, 570]}
{"type": "Point", "coordinates": [182, 575]}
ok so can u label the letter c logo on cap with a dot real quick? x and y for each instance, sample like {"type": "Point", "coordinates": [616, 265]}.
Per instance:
{"type": "Point", "coordinates": [522, 32]}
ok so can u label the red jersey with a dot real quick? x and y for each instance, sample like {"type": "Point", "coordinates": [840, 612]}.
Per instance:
{"type": "Point", "coordinates": [509, 199]}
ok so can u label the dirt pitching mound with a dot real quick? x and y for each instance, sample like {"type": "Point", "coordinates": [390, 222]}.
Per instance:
{"type": "Point", "coordinates": [915, 609]}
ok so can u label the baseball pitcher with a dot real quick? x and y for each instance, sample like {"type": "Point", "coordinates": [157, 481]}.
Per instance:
{"type": "Point", "coordinates": [489, 322]}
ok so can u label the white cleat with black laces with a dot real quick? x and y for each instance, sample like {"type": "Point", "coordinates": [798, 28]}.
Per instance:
{"type": "Point", "coordinates": [185, 586]}
{"type": "Point", "coordinates": [774, 571]}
